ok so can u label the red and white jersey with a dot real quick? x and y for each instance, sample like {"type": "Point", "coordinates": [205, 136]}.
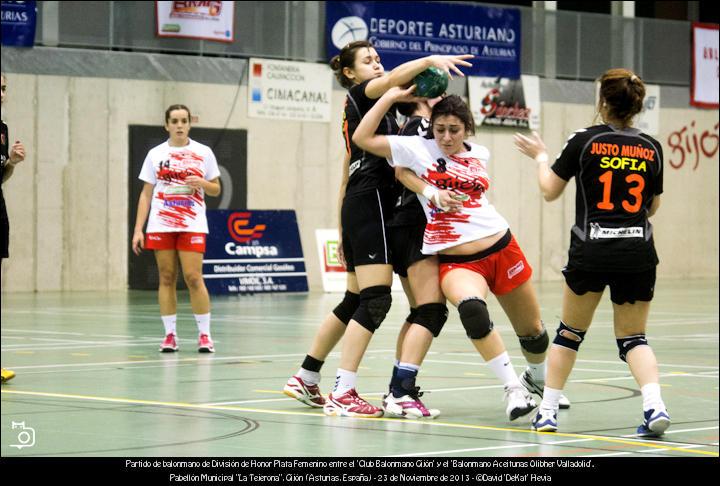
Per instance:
{"type": "Point", "coordinates": [464, 173]}
{"type": "Point", "coordinates": [175, 205]}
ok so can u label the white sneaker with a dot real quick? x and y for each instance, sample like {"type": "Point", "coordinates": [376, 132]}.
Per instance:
{"type": "Point", "coordinates": [545, 421]}
{"type": "Point", "coordinates": [408, 406]}
{"type": "Point", "coordinates": [536, 387]}
{"type": "Point", "coordinates": [519, 402]}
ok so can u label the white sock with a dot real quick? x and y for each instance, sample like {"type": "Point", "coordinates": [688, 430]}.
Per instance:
{"type": "Point", "coordinates": [537, 371]}
{"type": "Point", "coordinates": [170, 323]}
{"type": "Point", "coordinates": [409, 366]}
{"type": "Point", "coordinates": [503, 369]}
{"type": "Point", "coordinates": [344, 382]}
{"type": "Point", "coordinates": [551, 399]}
{"type": "Point", "coordinates": [203, 323]}
{"type": "Point", "coordinates": [309, 377]}
{"type": "Point", "coordinates": [651, 397]}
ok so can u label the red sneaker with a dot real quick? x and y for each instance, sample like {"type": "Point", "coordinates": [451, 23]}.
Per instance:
{"type": "Point", "coordinates": [350, 405]}
{"type": "Point", "coordinates": [169, 345]}
{"type": "Point", "coordinates": [205, 344]}
{"type": "Point", "coordinates": [308, 394]}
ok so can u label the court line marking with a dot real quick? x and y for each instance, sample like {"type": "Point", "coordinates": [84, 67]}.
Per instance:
{"type": "Point", "coordinates": [477, 449]}
{"type": "Point", "coordinates": [613, 440]}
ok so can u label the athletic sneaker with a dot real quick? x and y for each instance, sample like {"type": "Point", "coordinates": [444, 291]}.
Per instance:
{"type": "Point", "coordinates": [545, 421]}
{"type": "Point", "coordinates": [169, 345]}
{"type": "Point", "coordinates": [350, 405]}
{"type": "Point", "coordinates": [205, 344]}
{"type": "Point", "coordinates": [536, 387]}
{"type": "Point", "coordinates": [306, 393]}
{"type": "Point", "coordinates": [519, 402]}
{"type": "Point", "coordinates": [655, 424]}
{"type": "Point", "coordinates": [408, 406]}
{"type": "Point", "coordinates": [7, 375]}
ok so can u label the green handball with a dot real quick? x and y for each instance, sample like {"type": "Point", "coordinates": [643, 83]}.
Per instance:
{"type": "Point", "coordinates": [431, 83]}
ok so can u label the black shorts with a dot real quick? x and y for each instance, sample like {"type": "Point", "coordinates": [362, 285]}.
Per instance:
{"type": "Point", "coordinates": [5, 235]}
{"type": "Point", "coordinates": [624, 287]}
{"type": "Point", "coordinates": [365, 240]}
{"type": "Point", "coordinates": [405, 246]}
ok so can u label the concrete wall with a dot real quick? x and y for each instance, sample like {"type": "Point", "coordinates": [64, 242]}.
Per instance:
{"type": "Point", "coordinates": [68, 204]}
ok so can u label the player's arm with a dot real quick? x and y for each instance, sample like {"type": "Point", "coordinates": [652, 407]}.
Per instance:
{"type": "Point", "coordinates": [551, 185]}
{"type": "Point", "coordinates": [138, 240]}
{"type": "Point", "coordinates": [654, 206]}
{"type": "Point", "coordinates": [341, 197]}
{"type": "Point", "coordinates": [406, 72]}
{"type": "Point", "coordinates": [365, 136]}
{"type": "Point", "coordinates": [441, 198]}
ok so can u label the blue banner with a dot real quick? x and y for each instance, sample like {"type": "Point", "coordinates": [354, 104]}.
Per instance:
{"type": "Point", "coordinates": [402, 31]}
{"type": "Point", "coordinates": [18, 23]}
{"type": "Point", "coordinates": [253, 252]}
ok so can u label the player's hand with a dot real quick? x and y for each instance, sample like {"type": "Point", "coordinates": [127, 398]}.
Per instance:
{"type": "Point", "coordinates": [138, 242]}
{"type": "Point", "coordinates": [532, 146]}
{"type": "Point", "coordinates": [404, 95]}
{"type": "Point", "coordinates": [450, 64]}
{"type": "Point", "coordinates": [195, 182]}
{"type": "Point", "coordinates": [447, 201]}
{"type": "Point", "coordinates": [341, 252]}
{"type": "Point", "coordinates": [17, 153]}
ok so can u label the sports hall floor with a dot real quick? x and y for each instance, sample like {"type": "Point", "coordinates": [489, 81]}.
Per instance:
{"type": "Point", "coordinates": [91, 382]}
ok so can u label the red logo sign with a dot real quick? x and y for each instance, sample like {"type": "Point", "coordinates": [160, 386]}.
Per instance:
{"type": "Point", "coordinates": [240, 229]}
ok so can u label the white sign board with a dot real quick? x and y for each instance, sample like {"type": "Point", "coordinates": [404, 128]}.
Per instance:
{"type": "Point", "coordinates": [504, 102]}
{"type": "Point", "coordinates": [705, 66]}
{"type": "Point", "coordinates": [334, 276]}
{"type": "Point", "coordinates": [648, 120]}
{"type": "Point", "coordinates": [195, 20]}
{"type": "Point", "coordinates": [285, 90]}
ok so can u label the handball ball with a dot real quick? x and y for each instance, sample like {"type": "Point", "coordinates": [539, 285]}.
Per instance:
{"type": "Point", "coordinates": [431, 83]}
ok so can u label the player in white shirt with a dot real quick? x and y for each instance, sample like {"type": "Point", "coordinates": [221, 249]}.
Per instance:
{"type": "Point", "coordinates": [477, 252]}
{"type": "Point", "coordinates": [178, 174]}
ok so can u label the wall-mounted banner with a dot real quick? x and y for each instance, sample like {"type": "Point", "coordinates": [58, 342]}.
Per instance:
{"type": "Point", "coordinates": [285, 90]}
{"type": "Point", "coordinates": [253, 252]}
{"type": "Point", "coordinates": [402, 31]}
{"type": "Point", "coordinates": [705, 66]}
{"type": "Point", "coordinates": [211, 20]}
{"type": "Point", "coordinates": [18, 23]}
{"type": "Point", "coordinates": [503, 102]}
{"type": "Point", "coordinates": [334, 275]}
{"type": "Point", "coordinates": [649, 118]}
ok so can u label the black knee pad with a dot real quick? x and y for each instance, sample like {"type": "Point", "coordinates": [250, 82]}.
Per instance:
{"type": "Point", "coordinates": [568, 337]}
{"type": "Point", "coordinates": [412, 315]}
{"type": "Point", "coordinates": [475, 318]}
{"type": "Point", "coordinates": [345, 309]}
{"type": "Point", "coordinates": [535, 344]}
{"type": "Point", "coordinates": [374, 305]}
{"type": "Point", "coordinates": [627, 343]}
{"type": "Point", "coordinates": [432, 317]}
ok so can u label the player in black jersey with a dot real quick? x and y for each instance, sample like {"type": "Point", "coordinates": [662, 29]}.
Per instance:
{"type": "Point", "coordinates": [10, 157]}
{"type": "Point", "coordinates": [619, 178]}
{"type": "Point", "coordinates": [366, 203]}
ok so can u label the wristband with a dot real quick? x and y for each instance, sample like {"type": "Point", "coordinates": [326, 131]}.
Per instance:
{"type": "Point", "coordinates": [431, 193]}
{"type": "Point", "coordinates": [541, 158]}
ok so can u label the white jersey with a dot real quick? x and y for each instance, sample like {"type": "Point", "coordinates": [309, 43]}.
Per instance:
{"type": "Point", "coordinates": [177, 207]}
{"type": "Point", "coordinates": [464, 173]}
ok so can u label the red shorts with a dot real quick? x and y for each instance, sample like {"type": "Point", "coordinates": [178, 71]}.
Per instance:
{"type": "Point", "coordinates": [176, 241]}
{"type": "Point", "coordinates": [503, 265]}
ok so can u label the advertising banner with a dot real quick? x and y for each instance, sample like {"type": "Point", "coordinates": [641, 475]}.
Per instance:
{"type": "Point", "coordinates": [18, 23]}
{"type": "Point", "coordinates": [253, 252]}
{"type": "Point", "coordinates": [705, 66]}
{"type": "Point", "coordinates": [285, 90]}
{"type": "Point", "coordinates": [403, 31]}
{"type": "Point", "coordinates": [212, 20]}
{"type": "Point", "coordinates": [503, 102]}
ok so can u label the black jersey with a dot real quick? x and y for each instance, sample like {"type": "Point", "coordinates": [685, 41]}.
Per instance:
{"type": "Point", "coordinates": [4, 159]}
{"type": "Point", "coordinates": [618, 173]}
{"type": "Point", "coordinates": [408, 210]}
{"type": "Point", "coordinates": [367, 171]}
